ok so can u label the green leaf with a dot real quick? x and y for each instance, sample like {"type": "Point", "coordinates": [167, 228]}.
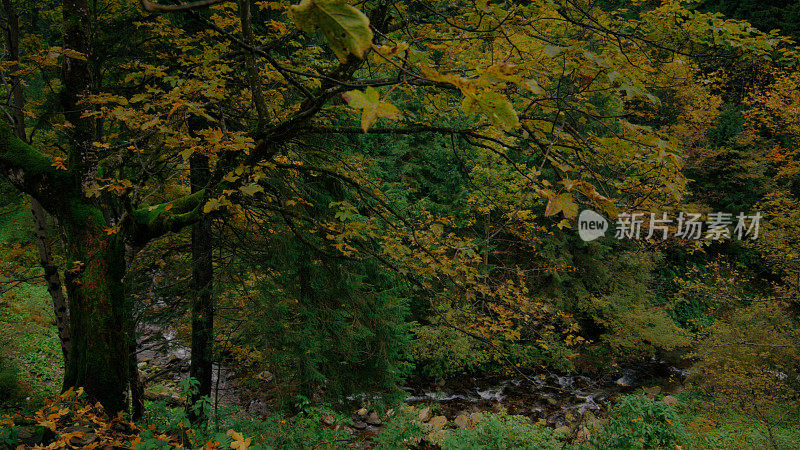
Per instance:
{"type": "Point", "coordinates": [345, 27]}
{"type": "Point", "coordinates": [371, 107]}
{"type": "Point", "coordinates": [498, 109]}
{"type": "Point", "coordinates": [553, 50]}
{"type": "Point", "coordinates": [251, 189]}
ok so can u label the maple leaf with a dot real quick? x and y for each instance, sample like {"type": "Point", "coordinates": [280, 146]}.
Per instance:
{"type": "Point", "coordinates": [59, 163]}
{"type": "Point", "coordinates": [564, 203]}
{"type": "Point", "coordinates": [239, 442]}
{"type": "Point", "coordinates": [345, 28]}
{"type": "Point", "coordinates": [371, 107]}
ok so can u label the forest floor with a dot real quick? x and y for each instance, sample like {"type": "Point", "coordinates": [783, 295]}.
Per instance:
{"type": "Point", "coordinates": [30, 350]}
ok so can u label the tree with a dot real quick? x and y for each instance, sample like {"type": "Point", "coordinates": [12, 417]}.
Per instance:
{"type": "Point", "coordinates": [548, 92]}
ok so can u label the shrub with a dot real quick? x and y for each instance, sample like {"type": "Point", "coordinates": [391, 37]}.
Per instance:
{"type": "Point", "coordinates": [500, 431]}
{"type": "Point", "coordinates": [401, 430]}
{"type": "Point", "coordinates": [639, 422]}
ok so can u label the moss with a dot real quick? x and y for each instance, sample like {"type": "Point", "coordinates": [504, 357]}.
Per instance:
{"type": "Point", "coordinates": [170, 216]}
{"type": "Point", "coordinates": [82, 213]}
{"type": "Point", "coordinates": [16, 154]}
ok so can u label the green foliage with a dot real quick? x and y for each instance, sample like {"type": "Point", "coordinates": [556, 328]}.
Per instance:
{"type": "Point", "coordinates": [401, 430]}
{"type": "Point", "coordinates": [303, 431]}
{"type": "Point", "coordinates": [9, 374]}
{"type": "Point", "coordinates": [639, 422]}
{"type": "Point", "coordinates": [8, 436]}
{"type": "Point", "coordinates": [441, 352]}
{"type": "Point", "coordinates": [500, 431]}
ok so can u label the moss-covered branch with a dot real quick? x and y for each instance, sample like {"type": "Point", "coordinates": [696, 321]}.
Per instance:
{"type": "Point", "coordinates": [33, 172]}
{"type": "Point", "coordinates": [154, 221]}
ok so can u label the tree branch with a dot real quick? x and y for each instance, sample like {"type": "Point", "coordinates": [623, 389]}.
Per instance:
{"type": "Point", "coordinates": [33, 172]}
{"type": "Point", "coordinates": [157, 220]}
{"type": "Point", "coordinates": [156, 8]}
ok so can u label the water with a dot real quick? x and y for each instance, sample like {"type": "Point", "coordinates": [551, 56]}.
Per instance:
{"type": "Point", "coordinates": [552, 397]}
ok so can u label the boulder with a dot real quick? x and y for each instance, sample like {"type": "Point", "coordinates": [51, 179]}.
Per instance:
{"type": "Point", "coordinates": [669, 400]}
{"type": "Point", "coordinates": [424, 414]}
{"type": "Point", "coordinates": [462, 421]}
{"type": "Point", "coordinates": [651, 392]}
{"type": "Point", "coordinates": [438, 422]}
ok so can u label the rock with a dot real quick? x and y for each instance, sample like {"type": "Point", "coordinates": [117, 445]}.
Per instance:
{"type": "Point", "coordinates": [359, 425]}
{"type": "Point", "coordinates": [651, 392]}
{"type": "Point", "coordinates": [34, 436]}
{"type": "Point", "coordinates": [439, 422]}
{"type": "Point", "coordinates": [563, 430]}
{"type": "Point", "coordinates": [328, 421]}
{"type": "Point", "coordinates": [437, 436]}
{"type": "Point", "coordinates": [362, 412]}
{"type": "Point", "coordinates": [374, 420]}
{"type": "Point", "coordinates": [670, 400]}
{"type": "Point", "coordinates": [424, 414]}
{"type": "Point", "coordinates": [552, 401]}
{"type": "Point", "coordinates": [462, 421]}
{"type": "Point", "coordinates": [85, 440]}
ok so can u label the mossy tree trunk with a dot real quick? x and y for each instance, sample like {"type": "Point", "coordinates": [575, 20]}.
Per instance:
{"type": "Point", "coordinates": [96, 266]}
{"type": "Point", "coordinates": [201, 367]}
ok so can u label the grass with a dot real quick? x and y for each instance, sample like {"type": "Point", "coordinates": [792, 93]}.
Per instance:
{"type": "Point", "coordinates": [728, 428]}
{"type": "Point", "coordinates": [29, 346]}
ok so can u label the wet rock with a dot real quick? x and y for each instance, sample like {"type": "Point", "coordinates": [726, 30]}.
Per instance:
{"type": "Point", "coordinates": [462, 421]}
{"type": "Point", "coordinates": [374, 420]}
{"type": "Point", "coordinates": [360, 425]}
{"type": "Point", "coordinates": [438, 422]}
{"type": "Point", "coordinates": [670, 400]}
{"type": "Point", "coordinates": [424, 414]}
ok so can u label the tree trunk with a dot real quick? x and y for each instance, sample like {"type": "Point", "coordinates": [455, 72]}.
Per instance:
{"type": "Point", "coordinates": [137, 389]}
{"type": "Point", "coordinates": [203, 305]}
{"type": "Point", "coordinates": [96, 262]}
{"type": "Point", "coordinates": [53, 280]}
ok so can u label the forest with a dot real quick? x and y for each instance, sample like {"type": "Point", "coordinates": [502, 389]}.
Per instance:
{"type": "Point", "coordinates": [422, 224]}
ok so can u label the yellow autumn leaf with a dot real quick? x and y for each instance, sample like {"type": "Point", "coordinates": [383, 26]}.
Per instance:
{"type": "Point", "coordinates": [239, 442]}
{"type": "Point", "coordinates": [371, 107]}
